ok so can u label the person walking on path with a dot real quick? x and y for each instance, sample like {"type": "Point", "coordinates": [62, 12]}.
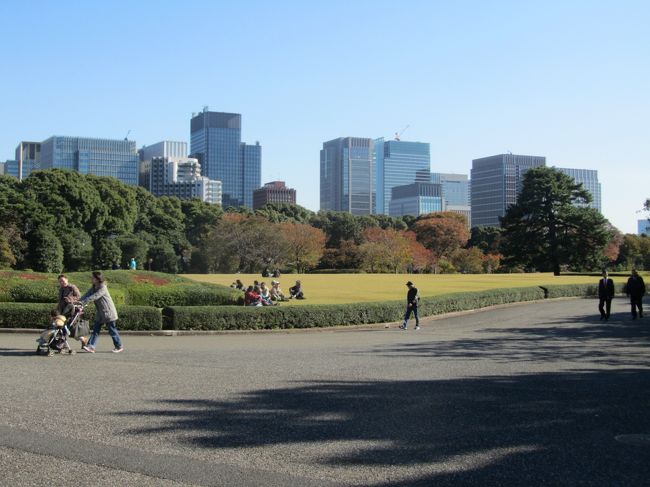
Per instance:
{"type": "Point", "coordinates": [105, 312]}
{"type": "Point", "coordinates": [133, 265]}
{"type": "Point", "coordinates": [635, 289]}
{"type": "Point", "coordinates": [605, 295]}
{"type": "Point", "coordinates": [412, 298]}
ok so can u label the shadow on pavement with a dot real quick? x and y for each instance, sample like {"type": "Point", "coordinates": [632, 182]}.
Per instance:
{"type": "Point", "coordinates": [15, 352]}
{"type": "Point", "coordinates": [552, 429]}
{"type": "Point", "coordinates": [581, 339]}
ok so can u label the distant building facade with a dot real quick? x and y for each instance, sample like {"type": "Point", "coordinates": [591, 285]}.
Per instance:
{"type": "Point", "coordinates": [273, 192]}
{"type": "Point", "coordinates": [398, 163]}
{"type": "Point", "coordinates": [101, 157]}
{"type": "Point", "coordinates": [495, 185]}
{"type": "Point", "coordinates": [644, 227]}
{"type": "Point", "coordinates": [589, 180]}
{"type": "Point", "coordinates": [455, 192]}
{"type": "Point", "coordinates": [416, 199]}
{"type": "Point", "coordinates": [165, 170]}
{"type": "Point", "coordinates": [215, 140]}
{"type": "Point", "coordinates": [28, 159]}
{"type": "Point", "coordinates": [347, 175]}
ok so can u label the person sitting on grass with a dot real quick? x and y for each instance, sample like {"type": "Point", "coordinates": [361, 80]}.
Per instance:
{"type": "Point", "coordinates": [276, 292]}
{"type": "Point", "coordinates": [265, 295]}
{"type": "Point", "coordinates": [238, 285]}
{"type": "Point", "coordinates": [296, 291]}
{"type": "Point", "coordinates": [251, 297]}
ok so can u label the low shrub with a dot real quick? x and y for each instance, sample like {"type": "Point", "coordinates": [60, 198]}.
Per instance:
{"type": "Point", "coordinates": [37, 315]}
{"type": "Point", "coordinates": [572, 290]}
{"type": "Point", "coordinates": [251, 318]}
{"type": "Point", "coordinates": [183, 295]}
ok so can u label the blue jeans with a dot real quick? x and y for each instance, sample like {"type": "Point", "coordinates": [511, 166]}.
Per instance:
{"type": "Point", "coordinates": [112, 331]}
{"type": "Point", "coordinates": [407, 315]}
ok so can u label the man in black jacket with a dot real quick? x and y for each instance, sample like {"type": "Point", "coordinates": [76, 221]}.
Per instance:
{"type": "Point", "coordinates": [412, 298]}
{"type": "Point", "coordinates": [605, 295]}
{"type": "Point", "coordinates": [635, 289]}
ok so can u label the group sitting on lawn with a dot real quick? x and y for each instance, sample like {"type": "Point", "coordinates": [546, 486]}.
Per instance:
{"type": "Point", "coordinates": [259, 294]}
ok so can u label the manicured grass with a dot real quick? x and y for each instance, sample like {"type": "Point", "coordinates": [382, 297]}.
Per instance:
{"type": "Point", "coordinates": [354, 288]}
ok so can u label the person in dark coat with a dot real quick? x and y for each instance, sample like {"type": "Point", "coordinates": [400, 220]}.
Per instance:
{"type": "Point", "coordinates": [635, 289]}
{"type": "Point", "coordinates": [412, 301]}
{"type": "Point", "coordinates": [105, 312]}
{"type": "Point", "coordinates": [605, 295]}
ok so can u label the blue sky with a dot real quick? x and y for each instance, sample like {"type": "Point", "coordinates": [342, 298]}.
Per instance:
{"type": "Point", "coordinates": [569, 80]}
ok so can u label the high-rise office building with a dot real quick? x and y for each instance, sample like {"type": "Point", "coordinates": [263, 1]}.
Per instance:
{"type": "Point", "coordinates": [455, 192]}
{"type": "Point", "coordinates": [589, 180]}
{"type": "Point", "coordinates": [165, 170]}
{"type": "Point", "coordinates": [398, 163]}
{"type": "Point", "coordinates": [273, 192]}
{"type": "Point", "coordinates": [28, 159]}
{"type": "Point", "coordinates": [416, 199]}
{"type": "Point", "coordinates": [347, 175]}
{"type": "Point", "coordinates": [643, 227]}
{"type": "Point", "coordinates": [495, 185]}
{"type": "Point", "coordinates": [101, 157]}
{"type": "Point", "coordinates": [216, 143]}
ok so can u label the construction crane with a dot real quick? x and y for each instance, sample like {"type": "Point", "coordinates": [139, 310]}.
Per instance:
{"type": "Point", "coordinates": [126, 137]}
{"type": "Point", "coordinates": [398, 135]}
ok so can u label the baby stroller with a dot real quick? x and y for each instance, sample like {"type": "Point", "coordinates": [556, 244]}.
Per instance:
{"type": "Point", "coordinates": [55, 339]}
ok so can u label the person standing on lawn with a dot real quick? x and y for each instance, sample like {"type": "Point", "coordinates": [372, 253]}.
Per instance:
{"type": "Point", "coordinates": [412, 301]}
{"type": "Point", "coordinates": [105, 312]}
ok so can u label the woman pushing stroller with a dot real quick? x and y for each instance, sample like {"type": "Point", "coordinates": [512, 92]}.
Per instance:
{"type": "Point", "coordinates": [105, 313]}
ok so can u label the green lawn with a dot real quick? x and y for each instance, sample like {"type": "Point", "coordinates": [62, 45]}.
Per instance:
{"type": "Point", "coordinates": [350, 288]}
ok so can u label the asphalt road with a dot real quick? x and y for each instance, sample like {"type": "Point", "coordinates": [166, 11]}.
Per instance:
{"type": "Point", "coordinates": [537, 394]}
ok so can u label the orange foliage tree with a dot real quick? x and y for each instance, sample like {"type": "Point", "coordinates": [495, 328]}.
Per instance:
{"type": "Point", "coordinates": [305, 244]}
{"type": "Point", "coordinates": [442, 233]}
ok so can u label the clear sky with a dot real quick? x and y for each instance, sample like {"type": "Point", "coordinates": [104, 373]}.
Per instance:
{"type": "Point", "coordinates": [566, 79]}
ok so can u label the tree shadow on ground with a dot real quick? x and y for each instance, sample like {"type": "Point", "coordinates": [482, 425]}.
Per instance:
{"type": "Point", "coordinates": [579, 339]}
{"type": "Point", "coordinates": [551, 429]}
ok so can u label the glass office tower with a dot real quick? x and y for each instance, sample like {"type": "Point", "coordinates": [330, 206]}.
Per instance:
{"type": "Point", "coordinates": [101, 157]}
{"type": "Point", "coordinates": [495, 184]}
{"type": "Point", "coordinates": [398, 163]}
{"type": "Point", "coordinates": [589, 180]}
{"type": "Point", "coordinates": [215, 140]}
{"type": "Point", "coordinates": [347, 175]}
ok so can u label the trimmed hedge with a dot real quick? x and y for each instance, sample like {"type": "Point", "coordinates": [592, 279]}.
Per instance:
{"type": "Point", "coordinates": [571, 290]}
{"type": "Point", "coordinates": [37, 315]}
{"type": "Point", "coordinates": [183, 295]}
{"type": "Point", "coordinates": [253, 318]}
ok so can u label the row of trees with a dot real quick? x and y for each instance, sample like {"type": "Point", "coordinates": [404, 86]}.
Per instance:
{"type": "Point", "coordinates": [61, 220]}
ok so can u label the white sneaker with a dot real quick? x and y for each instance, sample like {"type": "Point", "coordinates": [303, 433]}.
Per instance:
{"type": "Point", "coordinates": [417, 327]}
{"type": "Point", "coordinates": [118, 350]}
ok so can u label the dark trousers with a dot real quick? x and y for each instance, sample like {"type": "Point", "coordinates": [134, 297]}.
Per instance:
{"type": "Point", "coordinates": [605, 306]}
{"type": "Point", "coordinates": [637, 303]}
{"type": "Point", "coordinates": [407, 315]}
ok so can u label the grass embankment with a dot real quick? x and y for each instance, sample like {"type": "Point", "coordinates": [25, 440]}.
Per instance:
{"type": "Point", "coordinates": [355, 288]}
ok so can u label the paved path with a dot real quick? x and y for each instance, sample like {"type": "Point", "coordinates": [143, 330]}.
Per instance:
{"type": "Point", "coordinates": [525, 395]}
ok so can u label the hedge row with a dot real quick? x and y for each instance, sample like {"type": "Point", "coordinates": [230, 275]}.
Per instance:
{"type": "Point", "coordinates": [568, 290]}
{"type": "Point", "coordinates": [193, 294]}
{"type": "Point", "coordinates": [251, 318]}
{"type": "Point", "coordinates": [183, 295]}
{"type": "Point", "coordinates": [37, 315]}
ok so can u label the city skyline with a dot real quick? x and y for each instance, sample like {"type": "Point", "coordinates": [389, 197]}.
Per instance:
{"type": "Point", "coordinates": [473, 80]}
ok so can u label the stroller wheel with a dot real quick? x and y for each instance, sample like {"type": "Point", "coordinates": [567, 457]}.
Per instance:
{"type": "Point", "coordinates": [71, 352]}
{"type": "Point", "coordinates": [50, 353]}
{"type": "Point", "coordinates": [38, 350]}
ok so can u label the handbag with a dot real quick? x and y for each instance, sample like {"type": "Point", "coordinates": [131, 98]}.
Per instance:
{"type": "Point", "coordinates": [79, 329]}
